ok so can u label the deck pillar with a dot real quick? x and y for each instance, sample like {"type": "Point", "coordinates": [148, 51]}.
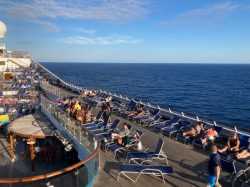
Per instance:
{"type": "Point", "coordinates": [12, 148]}
{"type": "Point", "coordinates": [32, 157]}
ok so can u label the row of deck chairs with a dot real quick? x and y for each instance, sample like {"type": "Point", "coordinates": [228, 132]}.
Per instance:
{"type": "Point", "coordinates": [229, 163]}
{"type": "Point", "coordinates": [103, 131]}
{"type": "Point", "coordinates": [98, 98]}
{"type": "Point", "coordinates": [19, 112]}
{"type": "Point", "coordinates": [140, 158]}
{"type": "Point", "coordinates": [24, 74]}
{"type": "Point", "coordinates": [20, 94]}
{"type": "Point", "coordinates": [122, 108]}
{"type": "Point", "coordinates": [173, 126]}
{"type": "Point", "coordinates": [18, 86]}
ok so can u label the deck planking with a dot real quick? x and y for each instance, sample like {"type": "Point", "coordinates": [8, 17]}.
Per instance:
{"type": "Point", "coordinates": [189, 163]}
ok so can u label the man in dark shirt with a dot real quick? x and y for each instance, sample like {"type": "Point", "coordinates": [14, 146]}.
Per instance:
{"type": "Point", "coordinates": [213, 168]}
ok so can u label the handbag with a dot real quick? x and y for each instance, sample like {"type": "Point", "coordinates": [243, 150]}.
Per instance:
{"type": "Point", "coordinates": [119, 141]}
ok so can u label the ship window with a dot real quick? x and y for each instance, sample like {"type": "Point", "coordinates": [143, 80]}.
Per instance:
{"type": "Point", "coordinates": [2, 62]}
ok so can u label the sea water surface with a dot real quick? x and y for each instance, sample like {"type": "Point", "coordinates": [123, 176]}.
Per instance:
{"type": "Point", "coordinates": [219, 91]}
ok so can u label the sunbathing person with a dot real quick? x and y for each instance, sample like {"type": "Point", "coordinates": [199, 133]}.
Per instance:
{"type": "Point", "coordinates": [87, 115]}
{"type": "Point", "coordinates": [209, 134]}
{"type": "Point", "coordinates": [3, 85]}
{"type": "Point", "coordinates": [138, 111]}
{"type": "Point", "coordinates": [92, 93]}
{"type": "Point", "coordinates": [128, 139]}
{"type": "Point", "coordinates": [82, 93]}
{"type": "Point", "coordinates": [65, 100]}
{"type": "Point", "coordinates": [195, 131]}
{"type": "Point", "coordinates": [5, 101]}
{"type": "Point", "coordinates": [245, 153]}
{"type": "Point", "coordinates": [80, 116]}
{"type": "Point", "coordinates": [122, 133]}
{"type": "Point", "coordinates": [233, 144]}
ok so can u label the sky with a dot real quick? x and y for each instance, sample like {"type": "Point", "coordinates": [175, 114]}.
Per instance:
{"type": "Point", "coordinates": [143, 31]}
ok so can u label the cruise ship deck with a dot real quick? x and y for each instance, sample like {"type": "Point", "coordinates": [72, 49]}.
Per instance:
{"type": "Point", "coordinates": [189, 163]}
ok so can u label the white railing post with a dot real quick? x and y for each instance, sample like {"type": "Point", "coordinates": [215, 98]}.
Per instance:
{"type": "Point", "coordinates": [215, 123]}
{"type": "Point", "coordinates": [197, 117]}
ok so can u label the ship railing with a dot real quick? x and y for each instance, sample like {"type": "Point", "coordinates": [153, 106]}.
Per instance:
{"type": "Point", "coordinates": [9, 69]}
{"type": "Point", "coordinates": [15, 54]}
{"type": "Point", "coordinates": [80, 174]}
{"type": "Point", "coordinates": [79, 132]}
{"type": "Point", "coordinates": [62, 81]}
{"type": "Point", "coordinates": [18, 62]}
{"type": "Point", "coordinates": [52, 89]}
{"type": "Point", "coordinates": [173, 111]}
{"type": "Point", "coordinates": [184, 114]}
{"type": "Point", "coordinates": [52, 74]}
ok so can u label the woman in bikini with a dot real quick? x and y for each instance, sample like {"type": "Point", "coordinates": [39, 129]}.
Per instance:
{"type": "Point", "coordinates": [233, 144]}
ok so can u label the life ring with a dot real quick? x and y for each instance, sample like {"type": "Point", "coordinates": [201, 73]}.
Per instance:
{"type": "Point", "coordinates": [57, 81]}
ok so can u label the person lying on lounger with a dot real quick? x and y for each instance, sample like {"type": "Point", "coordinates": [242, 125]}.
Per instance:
{"type": "Point", "coordinates": [123, 132]}
{"type": "Point", "coordinates": [137, 112]}
{"type": "Point", "coordinates": [128, 139]}
{"type": "Point", "coordinates": [195, 131]}
{"type": "Point", "coordinates": [245, 153]}
{"type": "Point", "coordinates": [233, 144]}
{"type": "Point", "coordinates": [209, 134]}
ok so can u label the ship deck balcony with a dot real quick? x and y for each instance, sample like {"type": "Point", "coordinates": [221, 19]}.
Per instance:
{"type": "Point", "coordinates": [189, 163]}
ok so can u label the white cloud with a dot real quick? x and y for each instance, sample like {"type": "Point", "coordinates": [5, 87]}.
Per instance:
{"type": "Point", "coordinates": [208, 15]}
{"type": "Point", "coordinates": [84, 30]}
{"type": "Point", "coordinates": [110, 40]}
{"type": "Point", "coordinates": [117, 11]}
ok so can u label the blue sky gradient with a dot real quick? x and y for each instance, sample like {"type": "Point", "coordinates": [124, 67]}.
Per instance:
{"type": "Point", "coordinates": [174, 31]}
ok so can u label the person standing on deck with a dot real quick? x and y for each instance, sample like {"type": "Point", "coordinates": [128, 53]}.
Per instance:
{"type": "Point", "coordinates": [213, 168]}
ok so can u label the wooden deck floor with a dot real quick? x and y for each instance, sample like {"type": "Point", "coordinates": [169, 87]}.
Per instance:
{"type": "Point", "coordinates": [186, 160]}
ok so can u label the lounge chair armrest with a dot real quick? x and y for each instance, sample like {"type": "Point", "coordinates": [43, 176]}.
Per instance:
{"type": "Point", "coordinates": [157, 155]}
{"type": "Point", "coordinates": [149, 148]}
{"type": "Point", "coordinates": [242, 148]}
{"type": "Point", "coordinates": [150, 160]}
{"type": "Point", "coordinates": [182, 128]}
{"type": "Point", "coordinates": [110, 130]}
{"type": "Point", "coordinates": [174, 124]}
{"type": "Point", "coordinates": [163, 129]}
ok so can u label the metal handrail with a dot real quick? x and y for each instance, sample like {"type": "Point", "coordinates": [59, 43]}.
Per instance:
{"type": "Point", "coordinates": [164, 107]}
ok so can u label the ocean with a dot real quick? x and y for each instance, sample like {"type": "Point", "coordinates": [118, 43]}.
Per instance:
{"type": "Point", "coordinates": [219, 91]}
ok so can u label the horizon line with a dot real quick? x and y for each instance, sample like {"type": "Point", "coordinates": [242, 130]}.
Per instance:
{"type": "Point", "coordinates": [235, 63]}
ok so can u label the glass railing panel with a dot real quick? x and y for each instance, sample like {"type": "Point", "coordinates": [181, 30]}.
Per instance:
{"type": "Point", "coordinates": [82, 135]}
{"type": "Point", "coordinates": [78, 132]}
{"type": "Point", "coordinates": [97, 162]}
{"type": "Point", "coordinates": [84, 138]}
{"type": "Point", "coordinates": [84, 177]}
{"type": "Point", "coordinates": [69, 179]}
